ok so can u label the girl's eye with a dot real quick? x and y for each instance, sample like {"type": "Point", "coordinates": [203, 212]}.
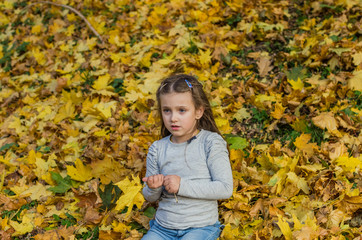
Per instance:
{"type": "Point", "coordinates": [182, 110]}
{"type": "Point", "coordinates": [165, 110]}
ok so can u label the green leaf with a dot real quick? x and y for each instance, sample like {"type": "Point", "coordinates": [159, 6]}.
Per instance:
{"type": "Point", "coordinates": [150, 212]}
{"type": "Point", "coordinates": [297, 72]}
{"type": "Point", "coordinates": [236, 142]}
{"type": "Point", "coordinates": [7, 146]}
{"type": "Point", "coordinates": [109, 196]}
{"type": "Point", "coordinates": [63, 184]}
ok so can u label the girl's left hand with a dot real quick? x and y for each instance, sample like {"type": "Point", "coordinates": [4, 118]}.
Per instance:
{"type": "Point", "coordinates": [172, 183]}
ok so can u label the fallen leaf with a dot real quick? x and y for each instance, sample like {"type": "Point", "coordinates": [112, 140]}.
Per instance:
{"type": "Point", "coordinates": [80, 172]}
{"type": "Point", "coordinates": [131, 194]}
{"type": "Point", "coordinates": [264, 66]}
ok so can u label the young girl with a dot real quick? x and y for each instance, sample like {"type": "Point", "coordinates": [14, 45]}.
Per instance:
{"type": "Point", "coordinates": [188, 170]}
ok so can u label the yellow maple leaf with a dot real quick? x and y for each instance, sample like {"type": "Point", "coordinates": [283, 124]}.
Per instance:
{"type": "Point", "coordinates": [33, 156]}
{"type": "Point", "coordinates": [296, 85]}
{"type": "Point", "coordinates": [116, 57]}
{"type": "Point", "coordinates": [120, 227]}
{"type": "Point", "coordinates": [349, 164]}
{"type": "Point", "coordinates": [131, 194]}
{"type": "Point", "coordinates": [71, 17]}
{"type": "Point", "coordinates": [102, 133]}
{"type": "Point", "coordinates": [355, 82]}
{"type": "Point", "coordinates": [357, 58]}
{"type": "Point", "coordinates": [82, 46]}
{"type": "Point", "coordinates": [223, 125]}
{"type": "Point", "coordinates": [300, 183]}
{"type": "Point", "coordinates": [43, 166]}
{"type": "Point", "coordinates": [36, 29]}
{"type": "Point", "coordinates": [285, 228]}
{"type": "Point", "coordinates": [278, 111]}
{"type": "Point", "coordinates": [80, 172]}
{"type": "Point", "coordinates": [205, 58]}
{"type": "Point", "coordinates": [302, 140]}
{"type": "Point", "coordinates": [87, 124]}
{"type": "Point", "coordinates": [242, 114]}
{"type": "Point", "coordinates": [229, 232]}
{"type": "Point", "coordinates": [66, 111]}
{"type": "Point", "coordinates": [8, 160]}
{"type": "Point", "coordinates": [87, 105]}
{"type": "Point", "coordinates": [107, 170]}
{"type": "Point", "coordinates": [153, 78]}
{"type": "Point", "coordinates": [92, 42]}
{"type": "Point", "coordinates": [235, 154]}
{"type": "Point", "coordinates": [301, 143]}
{"type": "Point", "coordinates": [297, 224]}
{"type": "Point", "coordinates": [4, 223]}
{"type": "Point", "coordinates": [265, 98]}
{"type": "Point", "coordinates": [104, 110]}
{"type": "Point", "coordinates": [3, 19]}
{"type": "Point", "coordinates": [71, 149]}
{"type": "Point", "coordinates": [114, 38]}
{"type": "Point", "coordinates": [183, 41]}
{"type": "Point", "coordinates": [35, 192]}
{"type": "Point", "coordinates": [70, 30]}
{"type": "Point", "coordinates": [179, 29]}
{"type": "Point", "coordinates": [98, 23]}
{"type": "Point", "coordinates": [64, 47]}
{"type": "Point", "coordinates": [25, 226]}
{"type": "Point", "coordinates": [278, 180]}
{"type": "Point", "coordinates": [38, 55]}
{"type": "Point", "coordinates": [133, 96]}
{"type": "Point", "coordinates": [102, 82]}
{"type": "Point", "coordinates": [146, 60]}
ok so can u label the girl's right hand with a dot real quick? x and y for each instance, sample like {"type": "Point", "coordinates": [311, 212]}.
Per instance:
{"type": "Point", "coordinates": [154, 181]}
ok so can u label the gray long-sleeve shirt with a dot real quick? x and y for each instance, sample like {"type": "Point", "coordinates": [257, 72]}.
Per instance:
{"type": "Point", "coordinates": [204, 167]}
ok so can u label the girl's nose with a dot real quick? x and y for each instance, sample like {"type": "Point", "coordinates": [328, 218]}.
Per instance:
{"type": "Point", "coordinates": [173, 118]}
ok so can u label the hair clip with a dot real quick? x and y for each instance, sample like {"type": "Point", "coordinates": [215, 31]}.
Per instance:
{"type": "Point", "coordinates": [188, 83]}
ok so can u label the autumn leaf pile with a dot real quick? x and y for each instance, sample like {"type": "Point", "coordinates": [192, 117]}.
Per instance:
{"type": "Point", "coordinates": [78, 112]}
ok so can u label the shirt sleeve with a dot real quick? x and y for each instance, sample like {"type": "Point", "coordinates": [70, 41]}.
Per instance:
{"type": "Point", "coordinates": [220, 186]}
{"type": "Point", "coordinates": [152, 168]}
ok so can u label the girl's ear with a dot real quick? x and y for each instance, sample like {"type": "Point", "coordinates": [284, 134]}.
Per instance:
{"type": "Point", "coordinates": [199, 112]}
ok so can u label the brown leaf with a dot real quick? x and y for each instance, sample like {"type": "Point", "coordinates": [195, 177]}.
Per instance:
{"type": "Point", "coordinates": [327, 121]}
{"type": "Point", "coordinates": [86, 200]}
{"type": "Point", "coordinates": [5, 235]}
{"type": "Point", "coordinates": [9, 204]}
{"type": "Point", "coordinates": [92, 216]}
{"type": "Point", "coordinates": [257, 208]}
{"type": "Point", "coordinates": [66, 233]}
{"type": "Point", "coordinates": [264, 66]}
{"type": "Point", "coordinates": [109, 235]}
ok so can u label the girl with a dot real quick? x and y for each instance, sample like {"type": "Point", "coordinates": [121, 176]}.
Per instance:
{"type": "Point", "coordinates": [188, 170]}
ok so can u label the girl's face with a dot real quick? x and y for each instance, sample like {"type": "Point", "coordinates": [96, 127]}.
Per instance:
{"type": "Point", "coordinates": [180, 115]}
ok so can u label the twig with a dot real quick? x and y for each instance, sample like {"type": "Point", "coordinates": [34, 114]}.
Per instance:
{"type": "Point", "coordinates": [76, 12]}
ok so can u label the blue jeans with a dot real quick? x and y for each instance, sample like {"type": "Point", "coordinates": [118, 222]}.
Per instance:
{"type": "Point", "coordinates": [157, 232]}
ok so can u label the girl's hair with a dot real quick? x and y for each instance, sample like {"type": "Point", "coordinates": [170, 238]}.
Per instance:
{"type": "Point", "coordinates": [181, 83]}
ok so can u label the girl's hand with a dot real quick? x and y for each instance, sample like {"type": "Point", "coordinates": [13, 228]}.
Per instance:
{"type": "Point", "coordinates": [154, 181]}
{"type": "Point", "coordinates": [172, 183]}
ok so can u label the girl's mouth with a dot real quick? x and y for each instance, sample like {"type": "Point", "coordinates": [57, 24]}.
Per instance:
{"type": "Point", "coordinates": [175, 127]}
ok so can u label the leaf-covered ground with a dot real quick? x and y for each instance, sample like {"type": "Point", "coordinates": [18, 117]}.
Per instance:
{"type": "Point", "coordinates": [78, 112]}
